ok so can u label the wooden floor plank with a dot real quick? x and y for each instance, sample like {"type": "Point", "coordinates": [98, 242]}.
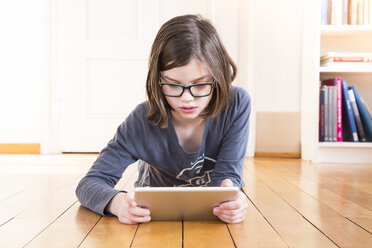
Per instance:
{"type": "Point", "coordinates": [322, 176]}
{"type": "Point", "coordinates": [54, 194]}
{"type": "Point", "coordinates": [288, 223]}
{"type": "Point", "coordinates": [69, 230]}
{"type": "Point", "coordinates": [38, 217]}
{"type": "Point", "coordinates": [73, 225]}
{"type": "Point", "coordinates": [109, 232]}
{"type": "Point", "coordinates": [33, 178]}
{"type": "Point", "coordinates": [159, 234]}
{"type": "Point", "coordinates": [342, 231]}
{"type": "Point", "coordinates": [30, 196]}
{"type": "Point", "coordinates": [255, 231]}
{"type": "Point", "coordinates": [345, 207]}
{"type": "Point", "coordinates": [208, 233]}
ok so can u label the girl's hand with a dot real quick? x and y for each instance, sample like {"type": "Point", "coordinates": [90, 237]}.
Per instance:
{"type": "Point", "coordinates": [232, 211]}
{"type": "Point", "coordinates": [125, 208]}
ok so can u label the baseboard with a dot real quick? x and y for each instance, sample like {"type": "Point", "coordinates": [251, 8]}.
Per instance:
{"type": "Point", "coordinates": [20, 148]}
{"type": "Point", "coordinates": [277, 154]}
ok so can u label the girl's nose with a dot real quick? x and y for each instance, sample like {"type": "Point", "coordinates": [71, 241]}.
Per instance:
{"type": "Point", "coordinates": [186, 96]}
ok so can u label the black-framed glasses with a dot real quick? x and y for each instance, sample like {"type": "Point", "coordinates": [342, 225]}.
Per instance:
{"type": "Point", "coordinates": [196, 90]}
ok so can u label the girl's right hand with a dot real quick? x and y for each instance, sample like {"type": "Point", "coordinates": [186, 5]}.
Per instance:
{"type": "Point", "coordinates": [125, 208]}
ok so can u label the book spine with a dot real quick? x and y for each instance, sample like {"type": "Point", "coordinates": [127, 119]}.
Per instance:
{"type": "Point", "coordinates": [334, 113]}
{"type": "Point", "coordinates": [366, 12]}
{"type": "Point", "coordinates": [345, 12]}
{"type": "Point", "coordinates": [321, 115]}
{"type": "Point", "coordinates": [354, 12]}
{"type": "Point", "coordinates": [339, 110]}
{"type": "Point", "coordinates": [339, 18]}
{"type": "Point", "coordinates": [360, 12]}
{"type": "Point", "coordinates": [367, 107]}
{"type": "Point", "coordinates": [358, 121]}
{"type": "Point", "coordinates": [349, 123]}
{"type": "Point", "coordinates": [364, 116]}
{"type": "Point", "coordinates": [351, 59]}
{"type": "Point", "coordinates": [326, 114]}
{"type": "Point", "coordinates": [329, 12]}
{"type": "Point", "coordinates": [324, 12]}
{"type": "Point", "coordinates": [370, 12]}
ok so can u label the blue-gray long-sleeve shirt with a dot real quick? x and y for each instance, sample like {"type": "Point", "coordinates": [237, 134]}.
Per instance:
{"type": "Point", "coordinates": [164, 162]}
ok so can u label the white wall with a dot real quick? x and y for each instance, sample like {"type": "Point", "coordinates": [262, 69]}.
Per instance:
{"type": "Point", "coordinates": [277, 31]}
{"type": "Point", "coordinates": [274, 73]}
{"type": "Point", "coordinates": [20, 63]}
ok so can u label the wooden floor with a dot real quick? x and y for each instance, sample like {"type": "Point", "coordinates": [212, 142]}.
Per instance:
{"type": "Point", "coordinates": [292, 203]}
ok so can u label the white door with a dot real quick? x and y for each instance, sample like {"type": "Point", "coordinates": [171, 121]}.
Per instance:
{"type": "Point", "coordinates": [103, 49]}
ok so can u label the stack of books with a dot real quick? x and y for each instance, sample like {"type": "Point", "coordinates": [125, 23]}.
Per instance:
{"type": "Point", "coordinates": [346, 12]}
{"type": "Point", "coordinates": [343, 114]}
{"type": "Point", "coordinates": [345, 59]}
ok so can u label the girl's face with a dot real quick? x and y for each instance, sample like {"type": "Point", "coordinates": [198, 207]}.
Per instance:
{"type": "Point", "coordinates": [187, 107]}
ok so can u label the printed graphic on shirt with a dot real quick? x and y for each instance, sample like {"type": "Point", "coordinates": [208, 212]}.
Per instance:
{"type": "Point", "coordinates": [199, 172]}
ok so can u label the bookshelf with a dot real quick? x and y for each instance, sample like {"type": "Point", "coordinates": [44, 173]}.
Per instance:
{"type": "Point", "coordinates": [317, 40]}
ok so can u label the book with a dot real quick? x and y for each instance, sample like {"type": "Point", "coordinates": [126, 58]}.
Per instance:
{"type": "Point", "coordinates": [358, 121]}
{"type": "Point", "coordinates": [338, 83]}
{"type": "Point", "coordinates": [345, 12]}
{"type": "Point", "coordinates": [360, 12]}
{"type": "Point", "coordinates": [333, 113]}
{"type": "Point", "coordinates": [366, 12]}
{"type": "Point", "coordinates": [326, 12]}
{"type": "Point", "coordinates": [326, 114]}
{"type": "Point", "coordinates": [353, 12]}
{"type": "Point", "coordinates": [321, 114]}
{"type": "Point", "coordinates": [349, 130]}
{"type": "Point", "coordinates": [367, 107]}
{"type": "Point", "coordinates": [364, 116]}
{"type": "Point", "coordinates": [346, 57]}
{"type": "Point", "coordinates": [345, 54]}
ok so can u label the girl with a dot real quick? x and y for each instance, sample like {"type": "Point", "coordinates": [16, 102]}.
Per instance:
{"type": "Point", "coordinates": [192, 130]}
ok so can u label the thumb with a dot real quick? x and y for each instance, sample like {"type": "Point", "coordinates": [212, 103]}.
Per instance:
{"type": "Point", "coordinates": [227, 183]}
{"type": "Point", "coordinates": [130, 199]}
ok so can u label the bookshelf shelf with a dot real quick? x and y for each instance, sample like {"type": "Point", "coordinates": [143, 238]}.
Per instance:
{"type": "Point", "coordinates": [345, 144]}
{"type": "Point", "coordinates": [346, 30]}
{"type": "Point", "coordinates": [362, 69]}
{"type": "Point", "coordinates": [319, 40]}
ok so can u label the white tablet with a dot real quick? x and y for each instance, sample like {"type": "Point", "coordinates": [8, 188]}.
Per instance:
{"type": "Point", "coordinates": [188, 203]}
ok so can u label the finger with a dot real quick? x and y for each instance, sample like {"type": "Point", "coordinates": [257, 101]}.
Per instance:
{"type": "Point", "coordinates": [228, 212]}
{"type": "Point", "coordinates": [138, 211]}
{"type": "Point", "coordinates": [227, 183]}
{"type": "Point", "coordinates": [232, 219]}
{"type": "Point", "coordinates": [135, 219]}
{"type": "Point", "coordinates": [241, 202]}
{"type": "Point", "coordinates": [130, 200]}
{"type": "Point", "coordinates": [231, 205]}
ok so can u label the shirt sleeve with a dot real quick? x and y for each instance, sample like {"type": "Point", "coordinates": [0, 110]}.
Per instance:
{"type": "Point", "coordinates": [96, 188]}
{"type": "Point", "coordinates": [232, 151]}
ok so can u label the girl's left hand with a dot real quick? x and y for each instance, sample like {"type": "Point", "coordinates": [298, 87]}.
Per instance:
{"type": "Point", "coordinates": [232, 211]}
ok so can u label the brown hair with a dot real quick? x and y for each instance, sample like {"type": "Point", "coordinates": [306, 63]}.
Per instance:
{"type": "Point", "coordinates": [178, 41]}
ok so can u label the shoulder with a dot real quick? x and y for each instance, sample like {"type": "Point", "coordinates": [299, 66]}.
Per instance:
{"type": "Point", "coordinates": [136, 120]}
{"type": "Point", "coordinates": [138, 113]}
{"type": "Point", "coordinates": [240, 95]}
{"type": "Point", "coordinates": [240, 102]}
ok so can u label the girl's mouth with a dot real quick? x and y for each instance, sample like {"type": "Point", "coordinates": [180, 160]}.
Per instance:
{"type": "Point", "coordinates": [188, 110]}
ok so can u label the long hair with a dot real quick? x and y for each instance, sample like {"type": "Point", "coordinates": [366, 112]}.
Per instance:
{"type": "Point", "coordinates": [178, 41]}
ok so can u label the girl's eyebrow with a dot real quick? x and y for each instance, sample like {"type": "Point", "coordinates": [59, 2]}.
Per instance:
{"type": "Point", "coordinates": [196, 79]}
